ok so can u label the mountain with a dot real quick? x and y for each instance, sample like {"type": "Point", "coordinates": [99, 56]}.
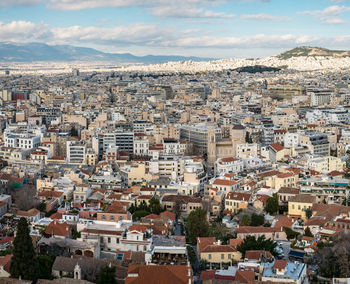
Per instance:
{"type": "Point", "coordinates": [30, 52]}
{"type": "Point", "coordinates": [312, 51]}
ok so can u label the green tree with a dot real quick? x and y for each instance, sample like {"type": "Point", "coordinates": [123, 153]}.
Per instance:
{"type": "Point", "coordinates": [197, 225]}
{"type": "Point", "coordinates": [139, 214]}
{"type": "Point", "coordinates": [24, 262]}
{"type": "Point", "coordinates": [154, 206]}
{"type": "Point", "coordinates": [290, 233]}
{"type": "Point", "coordinates": [106, 276]}
{"type": "Point", "coordinates": [257, 220]}
{"type": "Point", "coordinates": [308, 213]}
{"type": "Point", "coordinates": [245, 220]}
{"type": "Point", "coordinates": [272, 204]}
{"type": "Point", "coordinates": [260, 243]}
{"type": "Point", "coordinates": [308, 232]}
{"type": "Point", "coordinates": [45, 266]}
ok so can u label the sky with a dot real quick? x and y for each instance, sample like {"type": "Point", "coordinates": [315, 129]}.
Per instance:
{"type": "Point", "coordinates": [204, 28]}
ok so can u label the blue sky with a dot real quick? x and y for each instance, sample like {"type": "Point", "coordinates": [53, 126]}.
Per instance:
{"type": "Point", "coordinates": [209, 28]}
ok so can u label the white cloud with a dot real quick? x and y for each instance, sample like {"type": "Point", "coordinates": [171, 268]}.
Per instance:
{"type": "Point", "coordinates": [140, 36]}
{"type": "Point", "coordinates": [5, 3]}
{"type": "Point", "coordinates": [18, 31]}
{"type": "Point", "coordinates": [264, 17]}
{"type": "Point", "coordinates": [329, 15]}
{"type": "Point", "coordinates": [160, 8]}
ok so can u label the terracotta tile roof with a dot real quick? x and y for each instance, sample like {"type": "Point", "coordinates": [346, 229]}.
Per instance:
{"type": "Point", "coordinates": [284, 222]}
{"type": "Point", "coordinates": [169, 215]}
{"type": "Point", "coordinates": [277, 147]}
{"type": "Point", "coordinates": [202, 242]}
{"type": "Point", "coordinates": [288, 190]}
{"type": "Point", "coordinates": [257, 254]}
{"type": "Point", "coordinates": [245, 276]}
{"type": "Point", "coordinates": [207, 275]}
{"type": "Point", "coordinates": [47, 193]}
{"type": "Point", "coordinates": [285, 175]}
{"type": "Point", "coordinates": [239, 196]}
{"type": "Point", "coordinates": [156, 274]}
{"type": "Point", "coordinates": [224, 182]}
{"type": "Point", "coordinates": [235, 242]}
{"type": "Point", "coordinates": [268, 174]}
{"type": "Point", "coordinates": [56, 216]}
{"type": "Point", "coordinates": [5, 262]}
{"type": "Point", "coordinates": [183, 198]}
{"type": "Point", "coordinates": [30, 213]}
{"type": "Point", "coordinates": [58, 229]}
{"type": "Point", "coordinates": [139, 228]}
{"type": "Point", "coordinates": [228, 159]}
{"type": "Point", "coordinates": [303, 198]}
{"type": "Point", "coordinates": [254, 230]}
{"type": "Point", "coordinates": [218, 248]}
{"type": "Point", "coordinates": [335, 173]}
{"type": "Point", "coordinates": [280, 264]}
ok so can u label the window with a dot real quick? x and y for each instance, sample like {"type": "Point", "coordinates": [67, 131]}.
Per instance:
{"type": "Point", "coordinates": [209, 256]}
{"type": "Point", "coordinates": [117, 240]}
{"type": "Point", "coordinates": [229, 256]}
{"type": "Point", "coordinates": [120, 256]}
{"type": "Point", "coordinates": [103, 217]}
{"type": "Point", "coordinates": [222, 256]}
{"type": "Point", "coordinates": [109, 240]}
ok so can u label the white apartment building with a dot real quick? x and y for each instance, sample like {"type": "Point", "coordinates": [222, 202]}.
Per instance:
{"type": "Point", "coordinates": [228, 165]}
{"type": "Point", "coordinates": [291, 140]}
{"type": "Point", "coordinates": [320, 97]}
{"type": "Point", "coordinates": [246, 150]}
{"type": "Point", "coordinates": [22, 141]}
{"type": "Point", "coordinates": [76, 151]}
{"type": "Point", "coordinates": [141, 144]}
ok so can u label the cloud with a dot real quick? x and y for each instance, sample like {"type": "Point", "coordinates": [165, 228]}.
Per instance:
{"type": "Point", "coordinates": [18, 31]}
{"type": "Point", "coordinates": [329, 15]}
{"type": "Point", "coordinates": [5, 3]}
{"type": "Point", "coordinates": [264, 17]}
{"type": "Point", "coordinates": [140, 36]}
{"type": "Point", "coordinates": [159, 8]}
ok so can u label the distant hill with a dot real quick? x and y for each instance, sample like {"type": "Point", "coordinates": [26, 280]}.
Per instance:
{"type": "Point", "coordinates": [30, 52]}
{"type": "Point", "coordinates": [312, 51]}
{"type": "Point", "coordinates": [256, 69]}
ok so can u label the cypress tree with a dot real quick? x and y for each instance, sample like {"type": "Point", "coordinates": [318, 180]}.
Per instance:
{"type": "Point", "coordinates": [24, 262]}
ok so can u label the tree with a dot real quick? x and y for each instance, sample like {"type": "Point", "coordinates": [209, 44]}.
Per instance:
{"type": "Point", "coordinates": [245, 220]}
{"type": "Point", "coordinates": [24, 262]}
{"type": "Point", "coordinates": [260, 243]}
{"type": "Point", "coordinates": [308, 232]}
{"type": "Point", "coordinates": [139, 214]}
{"type": "Point", "coordinates": [154, 206]}
{"type": "Point", "coordinates": [45, 266]}
{"type": "Point", "coordinates": [272, 204]}
{"type": "Point", "coordinates": [197, 225]}
{"type": "Point", "coordinates": [248, 139]}
{"type": "Point", "coordinates": [290, 233]}
{"type": "Point", "coordinates": [106, 276]}
{"type": "Point", "coordinates": [257, 220]}
{"type": "Point", "coordinates": [334, 259]}
{"type": "Point", "coordinates": [308, 213]}
{"type": "Point", "coordinates": [177, 208]}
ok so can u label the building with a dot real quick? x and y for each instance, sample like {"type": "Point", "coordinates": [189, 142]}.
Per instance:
{"type": "Point", "coordinates": [284, 271]}
{"type": "Point", "coordinates": [154, 274]}
{"type": "Point", "coordinates": [298, 205]}
{"type": "Point", "coordinates": [236, 201]}
{"type": "Point", "coordinates": [76, 152]}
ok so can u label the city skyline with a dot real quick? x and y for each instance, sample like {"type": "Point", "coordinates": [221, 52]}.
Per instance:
{"type": "Point", "coordinates": [218, 29]}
